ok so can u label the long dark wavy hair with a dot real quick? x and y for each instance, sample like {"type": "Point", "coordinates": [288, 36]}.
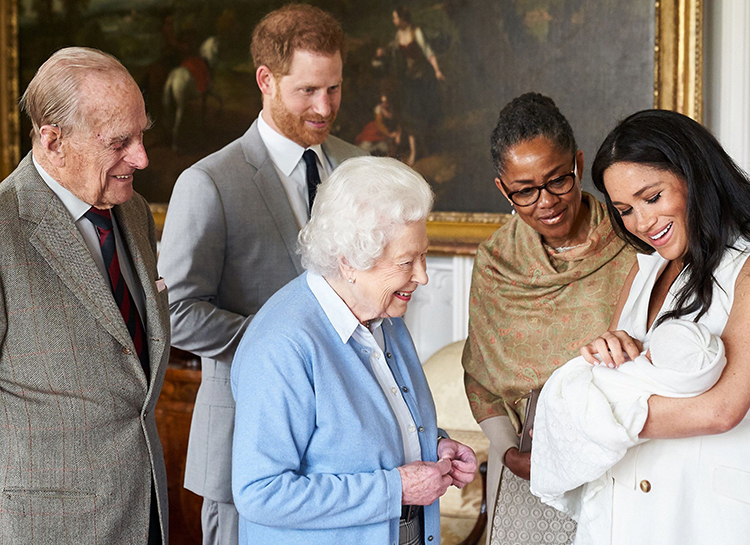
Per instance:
{"type": "Point", "coordinates": [718, 206]}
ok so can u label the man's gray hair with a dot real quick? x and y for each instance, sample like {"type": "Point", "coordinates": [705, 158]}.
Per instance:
{"type": "Point", "coordinates": [53, 95]}
{"type": "Point", "coordinates": [358, 210]}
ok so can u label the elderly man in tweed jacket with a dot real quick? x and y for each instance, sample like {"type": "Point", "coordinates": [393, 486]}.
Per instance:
{"type": "Point", "coordinates": [84, 334]}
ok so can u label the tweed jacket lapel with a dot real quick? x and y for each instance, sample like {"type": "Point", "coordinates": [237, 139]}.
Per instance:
{"type": "Point", "coordinates": [144, 261]}
{"type": "Point", "coordinates": [270, 187]}
{"type": "Point", "coordinates": [58, 241]}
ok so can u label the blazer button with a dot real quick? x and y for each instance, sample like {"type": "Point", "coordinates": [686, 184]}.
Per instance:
{"type": "Point", "coordinates": [127, 351]}
{"type": "Point", "coordinates": [646, 486]}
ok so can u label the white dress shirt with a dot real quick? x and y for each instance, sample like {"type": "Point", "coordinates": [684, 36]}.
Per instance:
{"type": "Point", "coordinates": [77, 209]}
{"type": "Point", "coordinates": [286, 157]}
{"type": "Point", "coordinates": [347, 326]}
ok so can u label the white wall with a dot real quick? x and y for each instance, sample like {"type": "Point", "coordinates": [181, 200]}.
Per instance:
{"type": "Point", "coordinates": [727, 75]}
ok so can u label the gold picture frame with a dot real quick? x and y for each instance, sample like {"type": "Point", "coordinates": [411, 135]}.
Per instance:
{"type": "Point", "coordinates": [678, 69]}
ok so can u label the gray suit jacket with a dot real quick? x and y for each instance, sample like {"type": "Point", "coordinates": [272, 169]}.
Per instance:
{"type": "Point", "coordinates": [78, 434]}
{"type": "Point", "coordinates": [229, 243]}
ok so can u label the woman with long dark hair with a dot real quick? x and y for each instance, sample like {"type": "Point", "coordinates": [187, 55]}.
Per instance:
{"type": "Point", "coordinates": [670, 187]}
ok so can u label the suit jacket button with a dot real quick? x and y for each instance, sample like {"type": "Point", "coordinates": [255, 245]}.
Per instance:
{"type": "Point", "coordinates": [127, 351]}
{"type": "Point", "coordinates": [645, 486]}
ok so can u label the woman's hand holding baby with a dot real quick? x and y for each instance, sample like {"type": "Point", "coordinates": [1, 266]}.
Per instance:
{"type": "Point", "coordinates": [613, 347]}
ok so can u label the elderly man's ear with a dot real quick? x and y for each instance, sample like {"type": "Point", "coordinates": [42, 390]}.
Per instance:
{"type": "Point", "coordinates": [50, 139]}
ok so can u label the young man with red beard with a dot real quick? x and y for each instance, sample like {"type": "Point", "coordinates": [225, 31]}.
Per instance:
{"type": "Point", "coordinates": [230, 235]}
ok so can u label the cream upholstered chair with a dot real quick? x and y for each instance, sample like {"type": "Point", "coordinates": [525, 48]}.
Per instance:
{"type": "Point", "coordinates": [463, 515]}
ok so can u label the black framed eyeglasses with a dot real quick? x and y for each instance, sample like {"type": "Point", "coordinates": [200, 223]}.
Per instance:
{"type": "Point", "coordinates": [557, 186]}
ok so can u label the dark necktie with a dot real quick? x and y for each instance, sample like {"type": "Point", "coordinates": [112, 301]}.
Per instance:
{"type": "Point", "coordinates": [313, 177]}
{"type": "Point", "coordinates": [102, 220]}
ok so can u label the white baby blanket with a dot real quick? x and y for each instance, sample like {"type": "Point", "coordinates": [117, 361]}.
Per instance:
{"type": "Point", "coordinates": [588, 416]}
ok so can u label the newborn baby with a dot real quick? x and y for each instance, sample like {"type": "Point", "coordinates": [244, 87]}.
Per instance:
{"type": "Point", "coordinates": [588, 416]}
{"type": "Point", "coordinates": [683, 346]}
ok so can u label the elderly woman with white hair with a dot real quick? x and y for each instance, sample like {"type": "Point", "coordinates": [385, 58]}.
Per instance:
{"type": "Point", "coordinates": [335, 437]}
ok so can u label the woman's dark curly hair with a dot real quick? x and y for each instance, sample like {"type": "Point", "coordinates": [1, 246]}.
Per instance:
{"type": "Point", "coordinates": [718, 207]}
{"type": "Point", "coordinates": [524, 118]}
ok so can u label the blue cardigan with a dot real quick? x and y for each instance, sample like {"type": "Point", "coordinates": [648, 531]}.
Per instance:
{"type": "Point", "coordinates": [316, 445]}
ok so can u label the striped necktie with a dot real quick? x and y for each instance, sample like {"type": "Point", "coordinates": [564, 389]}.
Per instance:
{"type": "Point", "coordinates": [313, 176]}
{"type": "Point", "coordinates": [102, 220]}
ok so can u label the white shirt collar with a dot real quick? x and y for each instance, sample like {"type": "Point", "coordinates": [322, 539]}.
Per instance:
{"type": "Point", "coordinates": [73, 204]}
{"type": "Point", "coordinates": [342, 319]}
{"type": "Point", "coordinates": [284, 153]}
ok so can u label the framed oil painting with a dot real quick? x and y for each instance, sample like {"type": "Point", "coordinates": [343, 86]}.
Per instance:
{"type": "Point", "coordinates": [424, 80]}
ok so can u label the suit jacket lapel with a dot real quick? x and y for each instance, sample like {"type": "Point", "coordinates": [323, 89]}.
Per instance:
{"type": "Point", "coordinates": [61, 245]}
{"type": "Point", "coordinates": [144, 262]}
{"type": "Point", "coordinates": [335, 152]}
{"type": "Point", "coordinates": [268, 183]}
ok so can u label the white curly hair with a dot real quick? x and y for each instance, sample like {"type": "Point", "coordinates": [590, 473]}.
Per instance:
{"type": "Point", "coordinates": [357, 211]}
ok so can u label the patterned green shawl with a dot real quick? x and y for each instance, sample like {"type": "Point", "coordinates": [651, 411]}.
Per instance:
{"type": "Point", "coordinates": [531, 309]}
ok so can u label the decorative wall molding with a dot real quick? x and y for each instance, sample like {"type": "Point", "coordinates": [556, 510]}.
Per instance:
{"type": "Point", "coordinates": [728, 77]}
{"type": "Point", "coordinates": [439, 312]}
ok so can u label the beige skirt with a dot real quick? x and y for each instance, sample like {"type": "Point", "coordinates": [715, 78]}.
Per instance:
{"type": "Point", "coordinates": [521, 519]}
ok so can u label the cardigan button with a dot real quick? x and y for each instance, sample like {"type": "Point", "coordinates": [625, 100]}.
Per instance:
{"type": "Point", "coordinates": [421, 429]}
{"type": "Point", "coordinates": [646, 486]}
{"type": "Point", "coordinates": [430, 538]}
{"type": "Point", "coordinates": [388, 355]}
{"type": "Point", "coordinates": [405, 389]}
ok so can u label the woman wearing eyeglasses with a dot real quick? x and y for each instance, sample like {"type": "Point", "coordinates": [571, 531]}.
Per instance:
{"type": "Point", "coordinates": [544, 285]}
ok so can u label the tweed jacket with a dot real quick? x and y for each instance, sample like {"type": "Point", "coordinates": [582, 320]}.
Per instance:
{"type": "Point", "coordinates": [79, 441]}
{"type": "Point", "coordinates": [229, 244]}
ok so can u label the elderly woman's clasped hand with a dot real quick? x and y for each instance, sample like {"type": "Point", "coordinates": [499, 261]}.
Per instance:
{"type": "Point", "coordinates": [462, 458]}
{"type": "Point", "coordinates": [424, 482]}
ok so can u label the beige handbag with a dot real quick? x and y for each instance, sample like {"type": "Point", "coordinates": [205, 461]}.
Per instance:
{"type": "Point", "coordinates": [521, 519]}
